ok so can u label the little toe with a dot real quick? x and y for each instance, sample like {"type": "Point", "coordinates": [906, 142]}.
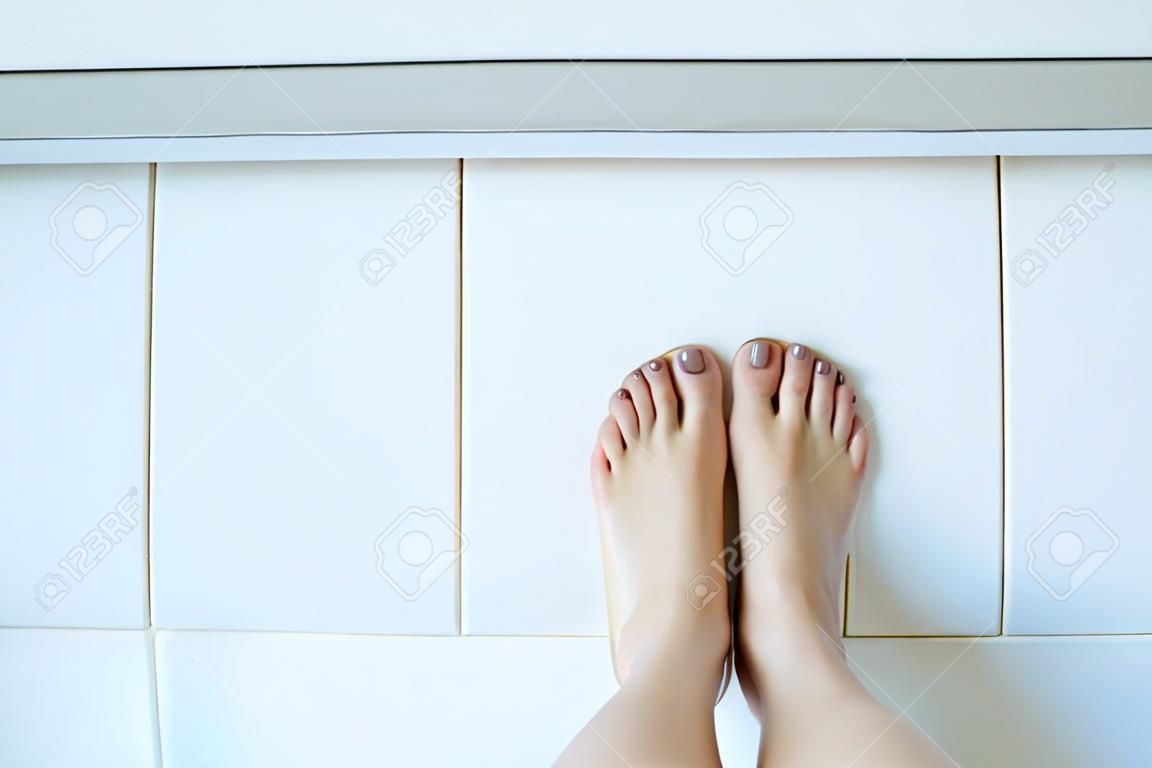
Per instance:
{"type": "Point", "coordinates": [609, 441]}
{"type": "Point", "coordinates": [858, 447]}
{"type": "Point", "coordinates": [845, 413]}
{"type": "Point", "coordinates": [624, 411]}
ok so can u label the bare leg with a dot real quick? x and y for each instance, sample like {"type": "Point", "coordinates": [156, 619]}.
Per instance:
{"type": "Point", "coordinates": [799, 455]}
{"type": "Point", "coordinates": [658, 477]}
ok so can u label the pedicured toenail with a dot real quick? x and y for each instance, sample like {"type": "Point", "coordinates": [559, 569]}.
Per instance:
{"type": "Point", "coordinates": [799, 351]}
{"type": "Point", "coordinates": [760, 354]}
{"type": "Point", "coordinates": [637, 375]}
{"type": "Point", "coordinates": [655, 365]}
{"type": "Point", "coordinates": [840, 378]}
{"type": "Point", "coordinates": [853, 398]}
{"type": "Point", "coordinates": [623, 394]}
{"type": "Point", "coordinates": [823, 368]}
{"type": "Point", "coordinates": [691, 360]}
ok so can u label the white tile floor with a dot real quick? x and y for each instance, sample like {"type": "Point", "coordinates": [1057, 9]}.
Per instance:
{"type": "Point", "coordinates": [1076, 311]}
{"type": "Point", "coordinates": [299, 410]}
{"type": "Point", "coordinates": [576, 272]}
{"type": "Point", "coordinates": [73, 337]}
{"type": "Point", "coordinates": [304, 350]}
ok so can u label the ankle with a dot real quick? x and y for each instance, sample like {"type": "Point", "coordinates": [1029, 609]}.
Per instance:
{"type": "Point", "coordinates": [788, 625]}
{"type": "Point", "coordinates": [783, 605]}
{"type": "Point", "coordinates": [688, 643]}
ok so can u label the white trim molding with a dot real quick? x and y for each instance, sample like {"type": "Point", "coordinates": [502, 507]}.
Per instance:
{"type": "Point", "coordinates": [558, 109]}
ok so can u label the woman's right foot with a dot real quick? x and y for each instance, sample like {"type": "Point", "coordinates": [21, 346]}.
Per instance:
{"type": "Point", "coordinates": [798, 453]}
{"type": "Point", "coordinates": [658, 479]}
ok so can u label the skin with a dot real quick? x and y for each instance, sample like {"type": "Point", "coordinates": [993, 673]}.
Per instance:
{"type": "Point", "coordinates": [799, 455]}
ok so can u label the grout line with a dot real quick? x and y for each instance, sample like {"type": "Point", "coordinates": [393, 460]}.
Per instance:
{"type": "Point", "coordinates": [156, 696]}
{"type": "Point", "coordinates": [459, 395]}
{"type": "Point", "coordinates": [346, 65]}
{"type": "Point", "coordinates": [1003, 393]}
{"type": "Point", "coordinates": [847, 591]}
{"type": "Point", "coordinates": [149, 350]}
{"type": "Point", "coordinates": [154, 631]}
{"type": "Point", "coordinates": [149, 279]}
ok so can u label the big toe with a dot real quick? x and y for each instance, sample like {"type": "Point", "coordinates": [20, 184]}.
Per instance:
{"type": "Point", "coordinates": [696, 374]}
{"type": "Point", "coordinates": [756, 373]}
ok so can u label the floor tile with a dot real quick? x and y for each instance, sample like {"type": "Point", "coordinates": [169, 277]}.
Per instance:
{"type": "Point", "coordinates": [304, 395]}
{"type": "Point", "coordinates": [1007, 702]}
{"type": "Point", "coordinates": [72, 697]}
{"type": "Point", "coordinates": [367, 701]}
{"type": "Point", "coordinates": [577, 271]}
{"type": "Point", "coordinates": [73, 338]}
{"type": "Point", "coordinates": [487, 701]}
{"type": "Point", "coordinates": [1077, 278]}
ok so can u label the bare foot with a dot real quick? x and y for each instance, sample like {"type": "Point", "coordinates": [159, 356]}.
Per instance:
{"type": "Point", "coordinates": [658, 476]}
{"type": "Point", "coordinates": [799, 455]}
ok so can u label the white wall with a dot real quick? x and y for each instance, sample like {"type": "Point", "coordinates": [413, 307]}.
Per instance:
{"type": "Point", "coordinates": [142, 33]}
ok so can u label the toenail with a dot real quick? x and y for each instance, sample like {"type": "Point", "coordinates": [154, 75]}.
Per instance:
{"type": "Point", "coordinates": [799, 351]}
{"type": "Point", "coordinates": [760, 352]}
{"type": "Point", "coordinates": [637, 375]}
{"type": "Point", "coordinates": [853, 398]}
{"type": "Point", "coordinates": [840, 378]}
{"type": "Point", "coordinates": [655, 365]}
{"type": "Point", "coordinates": [622, 394]}
{"type": "Point", "coordinates": [822, 367]}
{"type": "Point", "coordinates": [691, 360]}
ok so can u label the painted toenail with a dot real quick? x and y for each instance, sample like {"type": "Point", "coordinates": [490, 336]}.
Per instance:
{"type": "Point", "coordinates": [840, 378]}
{"type": "Point", "coordinates": [759, 358]}
{"type": "Point", "coordinates": [822, 367]}
{"type": "Point", "coordinates": [622, 394]}
{"type": "Point", "coordinates": [637, 375]}
{"type": "Point", "coordinates": [691, 360]}
{"type": "Point", "coordinates": [655, 365]}
{"type": "Point", "coordinates": [799, 351]}
{"type": "Point", "coordinates": [853, 398]}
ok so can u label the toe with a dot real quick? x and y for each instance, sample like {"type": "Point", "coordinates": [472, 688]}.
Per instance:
{"type": "Point", "coordinates": [822, 404]}
{"type": "Point", "coordinates": [697, 377]}
{"type": "Point", "coordinates": [858, 447]}
{"type": "Point", "coordinates": [601, 469]}
{"type": "Point", "coordinates": [796, 381]}
{"type": "Point", "coordinates": [845, 413]}
{"type": "Point", "coordinates": [637, 387]}
{"type": "Point", "coordinates": [609, 442]}
{"type": "Point", "coordinates": [664, 402]}
{"type": "Point", "coordinates": [756, 371]}
{"type": "Point", "coordinates": [623, 410]}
